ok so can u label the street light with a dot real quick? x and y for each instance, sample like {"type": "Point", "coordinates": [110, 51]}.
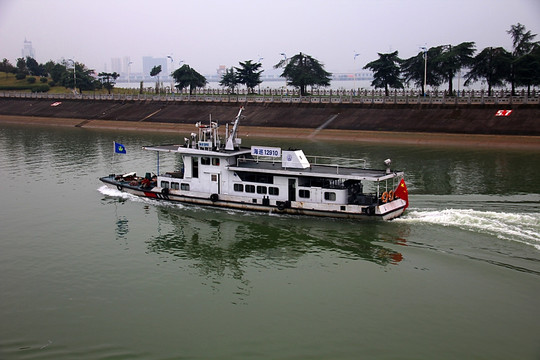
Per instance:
{"type": "Point", "coordinates": [355, 55]}
{"type": "Point", "coordinates": [129, 70]}
{"type": "Point", "coordinates": [424, 48]}
{"type": "Point", "coordinates": [74, 77]}
{"type": "Point", "coordinates": [172, 61]}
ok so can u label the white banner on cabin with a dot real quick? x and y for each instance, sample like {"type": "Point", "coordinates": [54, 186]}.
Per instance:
{"type": "Point", "coordinates": [265, 151]}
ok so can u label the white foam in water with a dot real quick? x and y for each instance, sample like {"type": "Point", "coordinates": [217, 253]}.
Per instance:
{"type": "Point", "coordinates": [106, 190]}
{"type": "Point", "coordinates": [523, 228]}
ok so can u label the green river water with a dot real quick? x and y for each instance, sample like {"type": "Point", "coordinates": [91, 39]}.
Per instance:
{"type": "Point", "coordinates": [87, 272]}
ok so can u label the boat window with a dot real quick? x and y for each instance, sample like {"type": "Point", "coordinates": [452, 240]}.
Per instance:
{"type": "Point", "coordinates": [214, 177]}
{"type": "Point", "coordinates": [304, 194]}
{"type": "Point", "coordinates": [175, 186]}
{"type": "Point", "coordinates": [215, 161]}
{"type": "Point", "coordinates": [205, 160]}
{"type": "Point", "coordinates": [253, 177]}
{"type": "Point", "coordinates": [330, 196]}
{"type": "Point", "coordinates": [261, 189]}
{"type": "Point", "coordinates": [195, 166]}
{"type": "Point", "coordinates": [184, 186]}
{"type": "Point", "coordinates": [273, 190]}
{"type": "Point", "coordinates": [250, 188]}
{"type": "Point", "coordinates": [165, 184]}
{"type": "Point", "coordinates": [238, 187]}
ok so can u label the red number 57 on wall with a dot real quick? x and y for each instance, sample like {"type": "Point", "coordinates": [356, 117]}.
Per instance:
{"type": "Point", "coordinates": [503, 112]}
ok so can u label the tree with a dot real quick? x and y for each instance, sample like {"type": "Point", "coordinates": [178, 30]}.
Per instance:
{"type": "Point", "coordinates": [57, 71]}
{"type": "Point", "coordinates": [186, 76]}
{"type": "Point", "coordinates": [493, 65]}
{"type": "Point", "coordinates": [521, 40]}
{"type": "Point", "coordinates": [303, 70]}
{"type": "Point", "coordinates": [524, 60]}
{"type": "Point", "coordinates": [527, 69]}
{"type": "Point", "coordinates": [229, 79]}
{"type": "Point", "coordinates": [81, 78]}
{"type": "Point", "coordinates": [386, 72]}
{"type": "Point", "coordinates": [248, 75]}
{"type": "Point", "coordinates": [108, 80]}
{"type": "Point", "coordinates": [6, 67]}
{"type": "Point", "coordinates": [452, 59]}
{"type": "Point", "coordinates": [155, 72]}
{"type": "Point", "coordinates": [34, 68]}
{"type": "Point", "coordinates": [21, 66]}
{"type": "Point", "coordinates": [413, 68]}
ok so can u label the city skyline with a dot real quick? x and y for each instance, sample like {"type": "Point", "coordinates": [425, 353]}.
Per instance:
{"type": "Point", "coordinates": [344, 35]}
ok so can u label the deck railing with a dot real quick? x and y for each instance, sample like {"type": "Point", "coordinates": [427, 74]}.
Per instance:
{"type": "Point", "coordinates": [329, 161]}
{"type": "Point", "coordinates": [337, 161]}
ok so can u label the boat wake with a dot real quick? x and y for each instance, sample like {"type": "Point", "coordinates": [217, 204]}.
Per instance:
{"type": "Point", "coordinates": [519, 227]}
{"type": "Point", "coordinates": [108, 191]}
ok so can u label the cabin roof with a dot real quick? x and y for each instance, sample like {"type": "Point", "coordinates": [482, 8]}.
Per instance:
{"type": "Point", "coordinates": [173, 148]}
{"type": "Point", "coordinates": [323, 171]}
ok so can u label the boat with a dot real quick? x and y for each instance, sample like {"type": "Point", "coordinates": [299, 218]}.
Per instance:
{"type": "Point", "coordinates": [217, 171]}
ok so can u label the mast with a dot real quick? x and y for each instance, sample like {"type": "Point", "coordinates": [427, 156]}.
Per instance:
{"type": "Point", "coordinates": [231, 140]}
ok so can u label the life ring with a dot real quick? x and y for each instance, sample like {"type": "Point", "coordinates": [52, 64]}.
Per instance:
{"type": "Point", "coordinates": [214, 197]}
{"type": "Point", "coordinates": [391, 195]}
{"type": "Point", "coordinates": [384, 197]}
{"type": "Point", "coordinates": [119, 187]}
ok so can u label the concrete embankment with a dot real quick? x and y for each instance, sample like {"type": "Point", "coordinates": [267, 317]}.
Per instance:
{"type": "Point", "coordinates": [458, 119]}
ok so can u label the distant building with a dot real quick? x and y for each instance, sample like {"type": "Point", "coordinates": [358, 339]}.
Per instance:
{"type": "Point", "coordinates": [116, 65]}
{"type": "Point", "coordinates": [126, 62]}
{"type": "Point", "coordinates": [149, 62]}
{"type": "Point", "coordinates": [28, 50]}
{"type": "Point", "coordinates": [221, 70]}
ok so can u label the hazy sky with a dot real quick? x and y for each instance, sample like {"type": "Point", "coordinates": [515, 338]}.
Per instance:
{"type": "Point", "coordinates": [209, 33]}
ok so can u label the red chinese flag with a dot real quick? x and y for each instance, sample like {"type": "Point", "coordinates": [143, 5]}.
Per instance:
{"type": "Point", "coordinates": [402, 192]}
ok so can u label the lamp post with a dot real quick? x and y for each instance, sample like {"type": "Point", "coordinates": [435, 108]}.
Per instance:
{"type": "Point", "coordinates": [355, 55]}
{"type": "Point", "coordinates": [172, 61]}
{"type": "Point", "coordinates": [74, 77]}
{"type": "Point", "coordinates": [129, 70]}
{"type": "Point", "coordinates": [424, 48]}
{"type": "Point", "coordinates": [259, 86]}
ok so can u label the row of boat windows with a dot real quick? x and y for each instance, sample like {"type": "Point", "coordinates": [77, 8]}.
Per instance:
{"type": "Point", "coordinates": [263, 190]}
{"type": "Point", "coordinates": [175, 185]}
{"type": "Point", "coordinates": [258, 189]}
{"type": "Point", "coordinates": [207, 161]}
{"type": "Point", "coordinates": [306, 194]}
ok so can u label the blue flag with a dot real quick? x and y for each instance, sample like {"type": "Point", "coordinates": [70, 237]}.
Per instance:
{"type": "Point", "coordinates": [119, 148]}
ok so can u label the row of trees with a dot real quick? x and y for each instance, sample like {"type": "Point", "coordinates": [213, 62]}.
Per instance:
{"type": "Point", "coordinates": [434, 66]}
{"type": "Point", "coordinates": [439, 65]}
{"type": "Point", "coordinates": [67, 73]}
